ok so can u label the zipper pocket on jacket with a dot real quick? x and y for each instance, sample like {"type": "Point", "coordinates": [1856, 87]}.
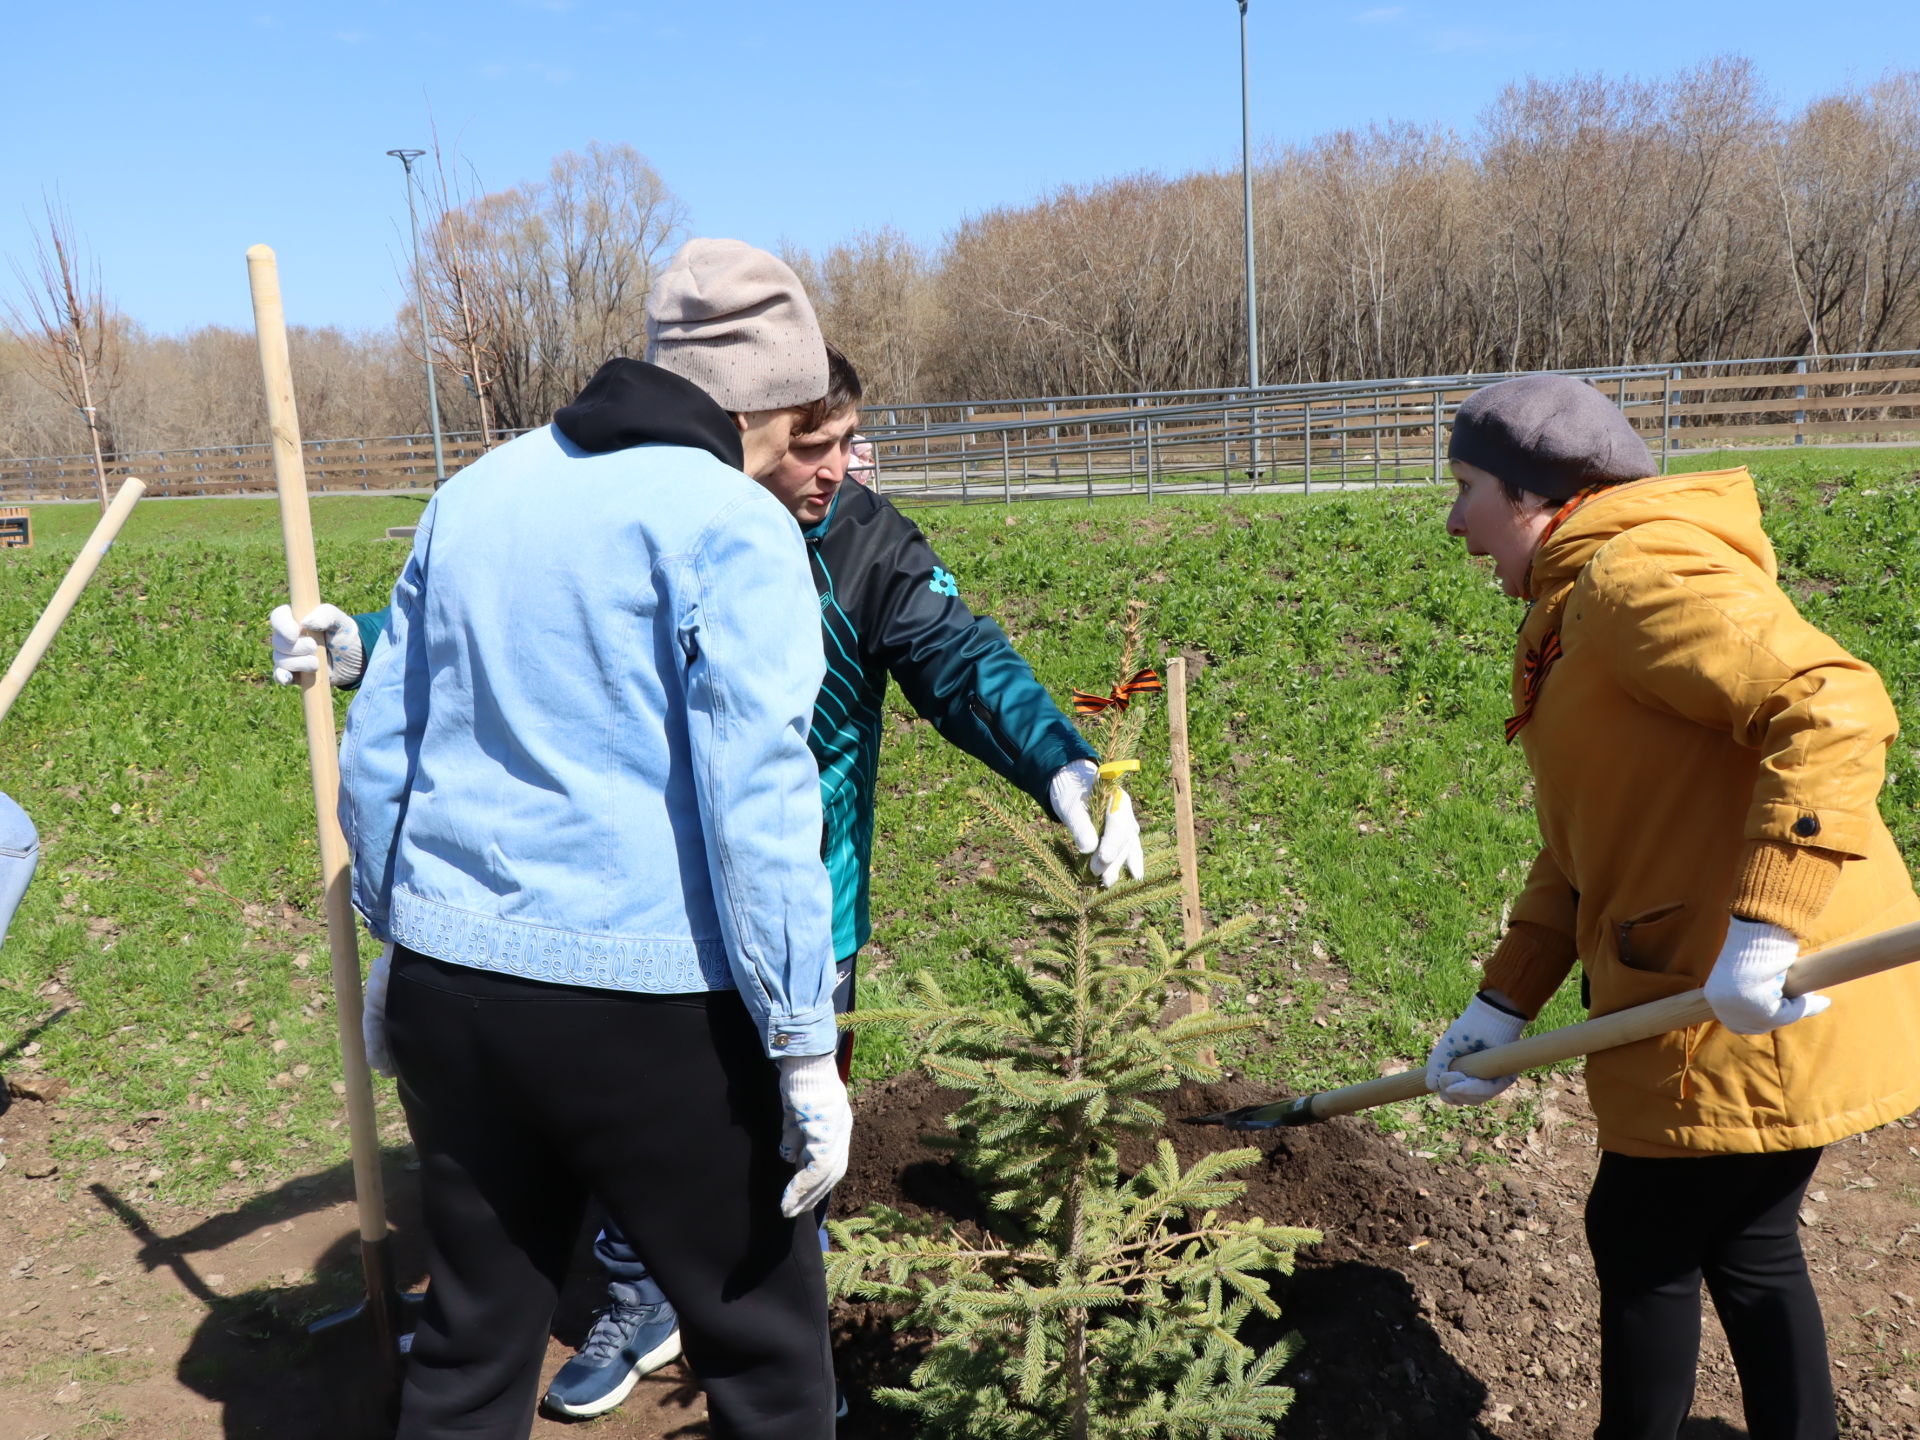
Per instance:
{"type": "Point", "coordinates": [1628, 943]}
{"type": "Point", "coordinates": [991, 723]}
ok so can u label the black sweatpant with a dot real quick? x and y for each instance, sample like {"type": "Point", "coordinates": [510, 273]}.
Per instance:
{"type": "Point", "coordinates": [524, 1098]}
{"type": "Point", "coordinates": [1657, 1227]}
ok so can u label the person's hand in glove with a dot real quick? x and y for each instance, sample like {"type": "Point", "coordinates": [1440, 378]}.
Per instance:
{"type": "Point", "coordinates": [818, 1131]}
{"type": "Point", "coordinates": [294, 649]}
{"type": "Point", "coordinates": [1484, 1026]}
{"type": "Point", "coordinates": [1120, 847]}
{"type": "Point", "coordinates": [373, 1014]}
{"type": "Point", "coordinates": [1746, 986]}
{"type": "Point", "coordinates": [1071, 793]}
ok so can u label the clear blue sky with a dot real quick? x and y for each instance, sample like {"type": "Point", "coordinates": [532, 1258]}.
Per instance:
{"type": "Point", "coordinates": [180, 134]}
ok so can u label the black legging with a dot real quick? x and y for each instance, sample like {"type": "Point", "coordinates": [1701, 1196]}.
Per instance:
{"type": "Point", "coordinates": [525, 1097]}
{"type": "Point", "coordinates": [1657, 1227]}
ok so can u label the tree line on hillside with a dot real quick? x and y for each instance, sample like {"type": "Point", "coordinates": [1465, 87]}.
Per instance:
{"type": "Point", "coordinates": [1587, 221]}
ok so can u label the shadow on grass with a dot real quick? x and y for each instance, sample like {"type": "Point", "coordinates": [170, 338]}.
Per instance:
{"type": "Point", "coordinates": [21, 1042]}
{"type": "Point", "coordinates": [32, 1033]}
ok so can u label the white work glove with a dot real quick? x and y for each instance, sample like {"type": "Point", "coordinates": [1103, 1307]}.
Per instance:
{"type": "Point", "coordinates": [1119, 847]}
{"type": "Point", "coordinates": [1068, 792]}
{"type": "Point", "coordinates": [1119, 843]}
{"type": "Point", "coordinates": [373, 1014]}
{"type": "Point", "coordinates": [1481, 1027]}
{"type": "Point", "coordinates": [818, 1131]}
{"type": "Point", "coordinates": [294, 648]}
{"type": "Point", "coordinates": [1747, 986]}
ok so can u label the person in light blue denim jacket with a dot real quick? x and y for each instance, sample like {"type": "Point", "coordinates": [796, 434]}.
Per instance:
{"type": "Point", "coordinates": [19, 855]}
{"type": "Point", "coordinates": [582, 808]}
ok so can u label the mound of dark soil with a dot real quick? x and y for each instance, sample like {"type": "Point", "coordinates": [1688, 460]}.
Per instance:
{"type": "Point", "coordinates": [1445, 1300]}
{"type": "Point", "coordinates": [1372, 1363]}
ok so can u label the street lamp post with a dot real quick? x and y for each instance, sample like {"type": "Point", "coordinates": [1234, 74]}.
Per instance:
{"type": "Point", "coordinates": [406, 159]}
{"type": "Point", "coordinates": [1253, 314]}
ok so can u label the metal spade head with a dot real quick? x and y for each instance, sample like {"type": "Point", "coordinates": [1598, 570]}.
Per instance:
{"type": "Point", "coordinates": [1274, 1115]}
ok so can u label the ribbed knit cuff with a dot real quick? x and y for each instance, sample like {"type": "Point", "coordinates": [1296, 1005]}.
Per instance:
{"type": "Point", "coordinates": [1786, 885]}
{"type": "Point", "coordinates": [1529, 965]}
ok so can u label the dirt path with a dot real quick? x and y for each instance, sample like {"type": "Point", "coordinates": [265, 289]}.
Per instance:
{"type": "Point", "coordinates": [1447, 1300]}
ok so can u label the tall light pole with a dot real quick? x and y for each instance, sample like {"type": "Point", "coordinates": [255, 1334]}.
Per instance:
{"type": "Point", "coordinates": [1253, 313]}
{"type": "Point", "coordinates": [1246, 176]}
{"type": "Point", "coordinates": [406, 159]}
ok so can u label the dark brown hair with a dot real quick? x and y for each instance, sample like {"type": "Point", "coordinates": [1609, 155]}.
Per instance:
{"type": "Point", "coordinates": [1521, 498]}
{"type": "Point", "coordinates": [843, 392]}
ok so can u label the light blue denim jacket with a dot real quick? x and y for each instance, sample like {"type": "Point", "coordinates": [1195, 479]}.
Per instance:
{"type": "Point", "coordinates": [579, 754]}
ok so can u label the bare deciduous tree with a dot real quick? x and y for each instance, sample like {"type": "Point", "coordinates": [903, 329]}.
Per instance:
{"type": "Point", "coordinates": [532, 288]}
{"type": "Point", "coordinates": [70, 338]}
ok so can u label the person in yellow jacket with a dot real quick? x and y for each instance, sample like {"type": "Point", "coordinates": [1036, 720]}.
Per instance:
{"type": "Point", "coordinates": [1706, 768]}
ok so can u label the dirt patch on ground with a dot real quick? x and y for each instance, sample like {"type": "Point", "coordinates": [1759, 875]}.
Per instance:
{"type": "Point", "coordinates": [1457, 1300]}
{"type": "Point", "coordinates": [1447, 1300]}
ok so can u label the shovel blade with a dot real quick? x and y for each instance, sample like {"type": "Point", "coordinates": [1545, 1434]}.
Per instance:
{"type": "Point", "coordinates": [1274, 1115]}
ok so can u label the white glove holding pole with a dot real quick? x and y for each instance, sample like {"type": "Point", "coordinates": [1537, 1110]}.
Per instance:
{"type": "Point", "coordinates": [818, 1131]}
{"type": "Point", "coordinates": [295, 648]}
{"type": "Point", "coordinates": [1482, 1027]}
{"type": "Point", "coordinates": [373, 1014]}
{"type": "Point", "coordinates": [1747, 985]}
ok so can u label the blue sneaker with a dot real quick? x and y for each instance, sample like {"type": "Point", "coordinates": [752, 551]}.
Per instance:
{"type": "Point", "coordinates": [627, 1341]}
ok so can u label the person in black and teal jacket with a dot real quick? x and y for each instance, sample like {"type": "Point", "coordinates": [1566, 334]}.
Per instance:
{"type": "Point", "coordinates": [889, 610]}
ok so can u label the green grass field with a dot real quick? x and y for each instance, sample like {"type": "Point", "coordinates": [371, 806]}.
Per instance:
{"type": "Point", "coordinates": [1353, 787]}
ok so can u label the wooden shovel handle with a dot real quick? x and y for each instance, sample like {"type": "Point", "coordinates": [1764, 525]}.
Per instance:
{"type": "Point", "coordinates": [1835, 965]}
{"type": "Point", "coordinates": [323, 751]}
{"type": "Point", "coordinates": [78, 574]}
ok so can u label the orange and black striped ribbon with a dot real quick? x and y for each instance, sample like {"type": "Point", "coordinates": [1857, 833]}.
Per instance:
{"type": "Point", "coordinates": [1560, 517]}
{"type": "Point", "coordinates": [1533, 675]}
{"type": "Point", "coordinates": [1142, 682]}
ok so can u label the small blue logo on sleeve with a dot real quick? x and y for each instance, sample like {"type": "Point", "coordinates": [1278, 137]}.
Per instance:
{"type": "Point", "coordinates": [942, 583]}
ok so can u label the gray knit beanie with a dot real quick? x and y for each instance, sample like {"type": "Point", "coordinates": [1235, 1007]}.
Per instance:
{"type": "Point", "coordinates": [735, 321]}
{"type": "Point", "coordinates": [1551, 434]}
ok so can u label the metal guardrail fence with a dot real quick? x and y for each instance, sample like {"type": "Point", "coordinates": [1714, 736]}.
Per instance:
{"type": "Point", "coordinates": [1291, 436]}
{"type": "Point", "coordinates": [927, 414]}
{"type": "Point", "coordinates": [1360, 434]}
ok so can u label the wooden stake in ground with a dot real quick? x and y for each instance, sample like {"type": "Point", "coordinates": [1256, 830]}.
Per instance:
{"type": "Point", "coordinates": [1192, 922]}
{"type": "Point", "coordinates": [58, 608]}
{"type": "Point", "coordinates": [316, 697]}
{"type": "Point", "coordinates": [1180, 757]}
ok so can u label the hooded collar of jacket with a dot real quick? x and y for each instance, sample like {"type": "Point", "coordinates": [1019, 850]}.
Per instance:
{"type": "Point", "coordinates": [629, 402]}
{"type": "Point", "coordinates": [1721, 502]}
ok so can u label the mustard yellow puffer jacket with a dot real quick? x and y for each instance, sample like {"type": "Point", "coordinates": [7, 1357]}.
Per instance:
{"type": "Point", "coordinates": [1698, 749]}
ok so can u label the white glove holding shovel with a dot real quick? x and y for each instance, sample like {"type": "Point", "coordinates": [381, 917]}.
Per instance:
{"type": "Point", "coordinates": [1483, 1026]}
{"type": "Point", "coordinates": [1116, 848]}
{"type": "Point", "coordinates": [373, 1014]}
{"type": "Point", "coordinates": [295, 650]}
{"type": "Point", "coordinates": [1747, 985]}
{"type": "Point", "coordinates": [818, 1131]}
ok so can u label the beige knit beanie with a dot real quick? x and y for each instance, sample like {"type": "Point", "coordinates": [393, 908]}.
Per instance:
{"type": "Point", "coordinates": [735, 321]}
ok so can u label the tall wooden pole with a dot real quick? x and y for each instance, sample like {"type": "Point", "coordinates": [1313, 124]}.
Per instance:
{"type": "Point", "coordinates": [323, 760]}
